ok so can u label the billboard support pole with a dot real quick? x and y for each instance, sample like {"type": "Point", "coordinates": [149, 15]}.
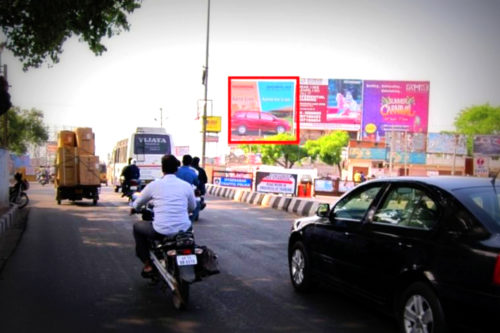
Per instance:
{"type": "Point", "coordinates": [454, 155]}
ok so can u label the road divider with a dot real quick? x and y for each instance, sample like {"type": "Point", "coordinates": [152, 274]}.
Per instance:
{"type": "Point", "coordinates": [7, 219]}
{"type": "Point", "coordinates": [294, 205]}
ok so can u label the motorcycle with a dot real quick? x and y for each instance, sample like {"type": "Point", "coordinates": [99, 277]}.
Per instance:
{"type": "Point", "coordinates": [16, 192]}
{"type": "Point", "coordinates": [178, 262]}
{"type": "Point", "coordinates": [133, 187]}
{"type": "Point", "coordinates": [43, 179]}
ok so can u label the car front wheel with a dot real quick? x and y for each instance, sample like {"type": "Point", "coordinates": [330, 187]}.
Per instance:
{"type": "Point", "coordinates": [299, 265]}
{"type": "Point", "coordinates": [419, 310]}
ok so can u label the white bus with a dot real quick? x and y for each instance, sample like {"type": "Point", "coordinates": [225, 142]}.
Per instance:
{"type": "Point", "coordinates": [147, 146]}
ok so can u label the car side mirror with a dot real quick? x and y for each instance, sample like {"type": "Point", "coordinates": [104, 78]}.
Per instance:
{"type": "Point", "coordinates": [323, 210]}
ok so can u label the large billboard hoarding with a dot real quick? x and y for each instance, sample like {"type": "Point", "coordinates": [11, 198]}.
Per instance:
{"type": "Point", "coordinates": [260, 108]}
{"type": "Point", "coordinates": [446, 144]}
{"type": "Point", "coordinates": [487, 145]}
{"type": "Point", "coordinates": [331, 104]}
{"type": "Point", "coordinates": [394, 106]}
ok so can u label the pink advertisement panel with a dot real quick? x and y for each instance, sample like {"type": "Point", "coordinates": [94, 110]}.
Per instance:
{"type": "Point", "coordinates": [330, 104]}
{"type": "Point", "coordinates": [394, 106]}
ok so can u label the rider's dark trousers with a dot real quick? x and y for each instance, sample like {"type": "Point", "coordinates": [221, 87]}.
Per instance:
{"type": "Point", "coordinates": [143, 233]}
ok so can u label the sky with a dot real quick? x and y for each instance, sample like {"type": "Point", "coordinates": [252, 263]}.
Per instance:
{"type": "Point", "coordinates": [158, 63]}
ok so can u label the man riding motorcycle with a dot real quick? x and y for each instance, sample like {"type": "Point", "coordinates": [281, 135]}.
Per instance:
{"type": "Point", "coordinates": [130, 172]}
{"type": "Point", "coordinates": [173, 198]}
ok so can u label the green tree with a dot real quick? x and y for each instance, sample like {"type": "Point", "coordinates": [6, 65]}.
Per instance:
{"type": "Point", "coordinates": [478, 119]}
{"type": "Point", "coordinates": [328, 148]}
{"type": "Point", "coordinates": [285, 155]}
{"type": "Point", "coordinates": [36, 30]}
{"type": "Point", "coordinates": [25, 128]}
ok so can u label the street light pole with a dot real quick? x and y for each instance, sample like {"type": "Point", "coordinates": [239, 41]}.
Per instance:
{"type": "Point", "coordinates": [205, 82]}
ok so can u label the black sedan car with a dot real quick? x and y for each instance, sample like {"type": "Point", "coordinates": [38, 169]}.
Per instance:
{"type": "Point", "coordinates": [425, 248]}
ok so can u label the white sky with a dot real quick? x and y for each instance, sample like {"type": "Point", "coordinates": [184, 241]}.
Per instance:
{"type": "Point", "coordinates": [454, 44]}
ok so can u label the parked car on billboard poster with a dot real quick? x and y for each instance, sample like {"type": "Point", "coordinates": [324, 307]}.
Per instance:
{"type": "Point", "coordinates": [246, 122]}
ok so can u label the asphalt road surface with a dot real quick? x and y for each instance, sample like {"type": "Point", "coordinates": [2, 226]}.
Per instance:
{"type": "Point", "coordinates": [75, 270]}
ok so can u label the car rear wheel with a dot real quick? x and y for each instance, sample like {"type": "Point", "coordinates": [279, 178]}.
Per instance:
{"type": "Point", "coordinates": [419, 310]}
{"type": "Point", "coordinates": [280, 129]}
{"type": "Point", "coordinates": [242, 129]}
{"type": "Point", "coordinates": [299, 265]}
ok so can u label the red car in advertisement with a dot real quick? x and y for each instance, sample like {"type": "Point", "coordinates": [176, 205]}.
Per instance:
{"type": "Point", "coordinates": [249, 121]}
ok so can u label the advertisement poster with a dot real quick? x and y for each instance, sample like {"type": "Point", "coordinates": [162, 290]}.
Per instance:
{"type": "Point", "coordinates": [368, 153]}
{"type": "Point", "coordinates": [262, 107]}
{"type": "Point", "coordinates": [323, 185]}
{"type": "Point", "coordinates": [271, 182]}
{"type": "Point", "coordinates": [406, 141]}
{"type": "Point", "coordinates": [487, 145]}
{"type": "Point", "coordinates": [331, 104]}
{"type": "Point", "coordinates": [446, 144]}
{"type": "Point", "coordinates": [481, 168]}
{"type": "Point", "coordinates": [233, 182]}
{"type": "Point", "coordinates": [394, 106]}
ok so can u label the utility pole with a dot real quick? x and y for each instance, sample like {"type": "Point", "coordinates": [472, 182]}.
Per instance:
{"type": "Point", "coordinates": [205, 82]}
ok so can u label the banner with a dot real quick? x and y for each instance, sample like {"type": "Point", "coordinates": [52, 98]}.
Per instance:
{"type": "Point", "coordinates": [271, 182]}
{"type": "Point", "coordinates": [261, 107]}
{"type": "Point", "coordinates": [368, 153]}
{"type": "Point", "coordinates": [333, 104]}
{"type": "Point", "coordinates": [233, 182]}
{"type": "Point", "coordinates": [487, 144]}
{"type": "Point", "coordinates": [394, 106]}
{"type": "Point", "coordinates": [446, 144]}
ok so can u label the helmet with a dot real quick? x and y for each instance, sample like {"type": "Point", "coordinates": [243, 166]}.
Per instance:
{"type": "Point", "coordinates": [133, 162]}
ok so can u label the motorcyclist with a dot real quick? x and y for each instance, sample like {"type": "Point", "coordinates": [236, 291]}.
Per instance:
{"type": "Point", "coordinates": [173, 198]}
{"type": "Point", "coordinates": [202, 178]}
{"type": "Point", "coordinates": [190, 175]}
{"type": "Point", "coordinates": [131, 171]}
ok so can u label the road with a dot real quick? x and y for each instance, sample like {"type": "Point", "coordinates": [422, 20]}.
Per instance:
{"type": "Point", "coordinates": [75, 270]}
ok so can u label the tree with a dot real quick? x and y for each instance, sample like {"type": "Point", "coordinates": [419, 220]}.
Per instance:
{"type": "Point", "coordinates": [478, 119]}
{"type": "Point", "coordinates": [36, 30]}
{"type": "Point", "coordinates": [328, 148]}
{"type": "Point", "coordinates": [280, 154]}
{"type": "Point", "coordinates": [25, 128]}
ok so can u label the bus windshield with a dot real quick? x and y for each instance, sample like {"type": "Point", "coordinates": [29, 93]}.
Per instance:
{"type": "Point", "coordinates": [151, 144]}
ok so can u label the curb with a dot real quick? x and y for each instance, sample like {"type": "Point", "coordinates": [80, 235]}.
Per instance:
{"type": "Point", "coordinates": [8, 219]}
{"type": "Point", "coordinates": [294, 205]}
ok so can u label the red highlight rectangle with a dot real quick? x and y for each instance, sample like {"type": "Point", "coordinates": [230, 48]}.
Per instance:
{"type": "Point", "coordinates": [233, 140]}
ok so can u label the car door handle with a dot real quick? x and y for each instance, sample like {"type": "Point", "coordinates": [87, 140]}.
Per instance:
{"type": "Point", "coordinates": [347, 234]}
{"type": "Point", "coordinates": [405, 245]}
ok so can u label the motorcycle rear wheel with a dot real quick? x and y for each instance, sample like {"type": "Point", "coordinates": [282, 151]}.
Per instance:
{"type": "Point", "coordinates": [22, 200]}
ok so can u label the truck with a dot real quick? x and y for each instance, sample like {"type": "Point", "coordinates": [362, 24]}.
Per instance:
{"type": "Point", "coordinates": [77, 167]}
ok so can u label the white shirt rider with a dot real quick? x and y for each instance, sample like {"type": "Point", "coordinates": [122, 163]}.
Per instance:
{"type": "Point", "coordinates": [168, 195]}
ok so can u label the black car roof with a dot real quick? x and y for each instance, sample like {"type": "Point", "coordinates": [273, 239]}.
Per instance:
{"type": "Point", "coordinates": [448, 183]}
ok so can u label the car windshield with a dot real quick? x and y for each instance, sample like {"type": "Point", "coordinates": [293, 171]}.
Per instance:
{"type": "Point", "coordinates": [483, 202]}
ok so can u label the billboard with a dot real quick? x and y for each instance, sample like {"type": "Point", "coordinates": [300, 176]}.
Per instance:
{"type": "Point", "coordinates": [394, 106]}
{"type": "Point", "coordinates": [446, 144]}
{"type": "Point", "coordinates": [487, 145]}
{"type": "Point", "coordinates": [273, 182]}
{"type": "Point", "coordinates": [260, 107]}
{"type": "Point", "coordinates": [331, 104]}
{"type": "Point", "coordinates": [213, 124]}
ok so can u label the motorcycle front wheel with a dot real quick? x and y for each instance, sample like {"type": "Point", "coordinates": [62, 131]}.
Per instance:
{"type": "Point", "coordinates": [22, 200]}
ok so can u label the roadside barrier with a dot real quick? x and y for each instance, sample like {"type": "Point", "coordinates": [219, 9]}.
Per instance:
{"type": "Point", "coordinates": [299, 206]}
{"type": "Point", "coordinates": [8, 219]}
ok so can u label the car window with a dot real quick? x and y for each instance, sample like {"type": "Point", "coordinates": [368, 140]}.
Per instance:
{"type": "Point", "coordinates": [252, 115]}
{"type": "Point", "coordinates": [407, 207]}
{"type": "Point", "coordinates": [240, 115]}
{"type": "Point", "coordinates": [355, 206]}
{"type": "Point", "coordinates": [483, 202]}
{"type": "Point", "coordinates": [266, 117]}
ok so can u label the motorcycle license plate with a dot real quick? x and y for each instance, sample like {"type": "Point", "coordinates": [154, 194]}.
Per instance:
{"type": "Point", "coordinates": [187, 260]}
{"type": "Point", "coordinates": [133, 188]}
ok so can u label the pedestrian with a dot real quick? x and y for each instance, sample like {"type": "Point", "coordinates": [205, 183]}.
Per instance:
{"type": "Point", "coordinates": [362, 176]}
{"type": "Point", "coordinates": [357, 177]}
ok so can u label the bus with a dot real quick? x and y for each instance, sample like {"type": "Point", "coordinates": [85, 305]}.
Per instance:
{"type": "Point", "coordinates": [147, 146]}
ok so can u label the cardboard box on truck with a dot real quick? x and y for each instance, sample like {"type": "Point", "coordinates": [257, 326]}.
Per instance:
{"type": "Point", "coordinates": [88, 170]}
{"type": "Point", "coordinates": [66, 164]}
{"type": "Point", "coordinates": [85, 140]}
{"type": "Point", "coordinates": [66, 139]}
